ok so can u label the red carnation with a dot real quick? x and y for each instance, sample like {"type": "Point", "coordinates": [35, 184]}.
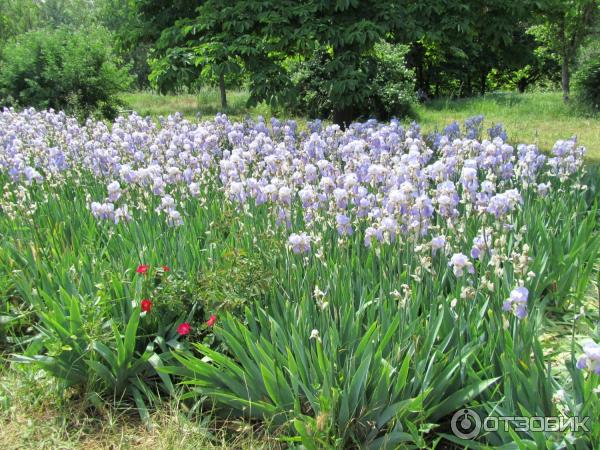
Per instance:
{"type": "Point", "coordinates": [183, 329]}
{"type": "Point", "coordinates": [142, 268]}
{"type": "Point", "coordinates": [166, 268]}
{"type": "Point", "coordinates": [146, 305]}
{"type": "Point", "coordinates": [211, 321]}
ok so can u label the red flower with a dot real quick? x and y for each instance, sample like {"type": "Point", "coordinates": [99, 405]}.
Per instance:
{"type": "Point", "coordinates": [146, 305]}
{"type": "Point", "coordinates": [142, 268]}
{"type": "Point", "coordinates": [211, 321]}
{"type": "Point", "coordinates": [183, 328]}
{"type": "Point", "coordinates": [166, 268]}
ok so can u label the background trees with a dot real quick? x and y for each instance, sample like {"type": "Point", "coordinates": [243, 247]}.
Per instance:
{"type": "Point", "coordinates": [321, 58]}
{"type": "Point", "coordinates": [563, 27]}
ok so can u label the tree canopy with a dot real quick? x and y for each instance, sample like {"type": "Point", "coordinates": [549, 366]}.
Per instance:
{"type": "Point", "coordinates": [450, 47]}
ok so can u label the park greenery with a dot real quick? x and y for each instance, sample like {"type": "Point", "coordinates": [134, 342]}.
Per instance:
{"type": "Point", "coordinates": [338, 60]}
{"type": "Point", "coordinates": [299, 225]}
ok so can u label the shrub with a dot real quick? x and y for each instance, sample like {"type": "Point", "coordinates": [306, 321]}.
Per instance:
{"type": "Point", "coordinates": [587, 77]}
{"type": "Point", "coordinates": [310, 81]}
{"type": "Point", "coordinates": [389, 84]}
{"type": "Point", "coordinates": [393, 86]}
{"type": "Point", "coordinates": [74, 71]}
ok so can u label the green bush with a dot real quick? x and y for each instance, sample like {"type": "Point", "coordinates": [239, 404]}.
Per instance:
{"type": "Point", "coordinates": [310, 79]}
{"type": "Point", "coordinates": [587, 77]}
{"type": "Point", "coordinates": [389, 86]}
{"type": "Point", "coordinates": [64, 69]}
{"type": "Point", "coordinates": [393, 88]}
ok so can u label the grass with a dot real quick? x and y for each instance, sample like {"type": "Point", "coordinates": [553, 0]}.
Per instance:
{"type": "Point", "coordinates": [36, 414]}
{"type": "Point", "coordinates": [539, 118]}
{"type": "Point", "coordinates": [207, 102]}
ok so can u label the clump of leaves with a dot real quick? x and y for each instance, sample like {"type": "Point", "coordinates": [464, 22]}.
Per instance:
{"type": "Point", "coordinates": [235, 279]}
{"type": "Point", "coordinates": [387, 84]}
{"type": "Point", "coordinates": [587, 78]}
{"type": "Point", "coordinates": [71, 70]}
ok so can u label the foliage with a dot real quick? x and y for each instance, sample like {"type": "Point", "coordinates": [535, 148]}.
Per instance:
{"type": "Point", "coordinates": [16, 17]}
{"type": "Point", "coordinates": [342, 388]}
{"type": "Point", "coordinates": [230, 36]}
{"type": "Point", "coordinates": [587, 77]}
{"type": "Point", "coordinates": [540, 68]}
{"type": "Point", "coordinates": [174, 72]}
{"type": "Point", "coordinates": [393, 84]}
{"type": "Point", "coordinates": [389, 84]}
{"type": "Point", "coordinates": [458, 43]}
{"type": "Point", "coordinates": [457, 48]}
{"type": "Point", "coordinates": [86, 343]}
{"type": "Point", "coordinates": [310, 80]}
{"type": "Point", "coordinates": [20, 16]}
{"type": "Point", "coordinates": [90, 331]}
{"type": "Point", "coordinates": [131, 39]}
{"type": "Point", "coordinates": [63, 69]}
{"type": "Point", "coordinates": [563, 27]}
{"type": "Point", "coordinates": [172, 65]}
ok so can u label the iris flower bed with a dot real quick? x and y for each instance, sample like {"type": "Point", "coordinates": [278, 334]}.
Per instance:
{"type": "Point", "coordinates": [349, 288]}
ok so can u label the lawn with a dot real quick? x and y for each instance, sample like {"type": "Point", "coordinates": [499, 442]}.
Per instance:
{"type": "Point", "coordinates": [36, 413]}
{"type": "Point", "coordinates": [207, 102]}
{"type": "Point", "coordinates": [539, 117]}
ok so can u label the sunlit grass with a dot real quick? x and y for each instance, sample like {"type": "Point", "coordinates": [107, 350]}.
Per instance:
{"type": "Point", "coordinates": [207, 102]}
{"type": "Point", "coordinates": [540, 118]}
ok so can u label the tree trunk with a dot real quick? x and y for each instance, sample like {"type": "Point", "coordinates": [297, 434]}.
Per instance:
{"type": "Point", "coordinates": [565, 78]}
{"type": "Point", "coordinates": [483, 82]}
{"type": "Point", "coordinates": [420, 80]}
{"type": "Point", "coordinates": [222, 89]}
{"type": "Point", "coordinates": [343, 116]}
{"type": "Point", "coordinates": [468, 88]}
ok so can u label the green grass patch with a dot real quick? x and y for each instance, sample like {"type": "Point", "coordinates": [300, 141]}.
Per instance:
{"type": "Point", "coordinates": [36, 413]}
{"type": "Point", "coordinates": [207, 102]}
{"type": "Point", "coordinates": [540, 118]}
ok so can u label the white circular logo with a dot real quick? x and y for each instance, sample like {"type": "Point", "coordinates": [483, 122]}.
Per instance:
{"type": "Point", "coordinates": [465, 424]}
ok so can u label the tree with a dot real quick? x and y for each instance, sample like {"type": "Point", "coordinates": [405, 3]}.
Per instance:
{"type": "Point", "coordinates": [125, 23]}
{"type": "Point", "coordinates": [564, 26]}
{"type": "Point", "coordinates": [261, 36]}
{"type": "Point", "coordinates": [212, 41]}
{"type": "Point", "coordinates": [349, 29]}
{"type": "Point", "coordinates": [171, 63]}
{"type": "Point", "coordinates": [458, 43]}
{"type": "Point", "coordinates": [16, 17]}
